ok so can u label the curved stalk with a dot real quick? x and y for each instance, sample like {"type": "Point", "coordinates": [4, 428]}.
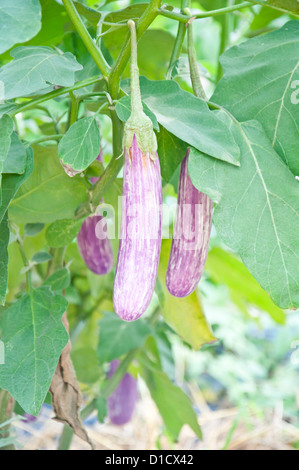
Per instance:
{"type": "Point", "coordinates": [91, 46]}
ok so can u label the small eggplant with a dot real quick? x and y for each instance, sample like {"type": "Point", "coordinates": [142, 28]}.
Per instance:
{"type": "Point", "coordinates": [122, 402]}
{"type": "Point", "coordinates": [141, 223]}
{"type": "Point", "coordinates": [96, 252]}
{"type": "Point", "coordinates": [191, 237]}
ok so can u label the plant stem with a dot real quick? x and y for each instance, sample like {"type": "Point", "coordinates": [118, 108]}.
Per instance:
{"type": "Point", "coordinates": [194, 71]}
{"type": "Point", "coordinates": [53, 94]}
{"type": "Point", "coordinates": [25, 262]}
{"type": "Point", "coordinates": [74, 109]}
{"type": "Point", "coordinates": [185, 18]}
{"type": "Point", "coordinates": [91, 46]}
{"type": "Point", "coordinates": [57, 260]}
{"type": "Point", "coordinates": [177, 48]}
{"type": "Point", "coordinates": [45, 139]}
{"type": "Point", "coordinates": [6, 411]}
{"type": "Point", "coordinates": [144, 22]}
{"type": "Point", "coordinates": [226, 27]}
{"type": "Point", "coordinates": [136, 104]}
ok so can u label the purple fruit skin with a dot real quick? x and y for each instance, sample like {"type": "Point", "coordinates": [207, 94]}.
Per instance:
{"type": "Point", "coordinates": [187, 259]}
{"type": "Point", "coordinates": [97, 254]}
{"type": "Point", "coordinates": [122, 402]}
{"type": "Point", "coordinates": [138, 256]}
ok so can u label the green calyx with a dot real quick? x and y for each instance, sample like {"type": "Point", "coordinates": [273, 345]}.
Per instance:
{"type": "Point", "coordinates": [138, 124]}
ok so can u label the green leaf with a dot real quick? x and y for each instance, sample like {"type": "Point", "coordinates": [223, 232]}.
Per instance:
{"type": "Point", "coordinates": [190, 119]}
{"type": "Point", "coordinates": [54, 19]}
{"type": "Point", "coordinates": [114, 40]}
{"type": "Point", "coordinates": [186, 315]}
{"type": "Point", "coordinates": [257, 214]}
{"type": "Point", "coordinates": [171, 151]}
{"type": "Point", "coordinates": [92, 16]}
{"type": "Point", "coordinates": [19, 21]}
{"type": "Point", "coordinates": [16, 160]}
{"type": "Point", "coordinates": [118, 337]}
{"type": "Point", "coordinates": [173, 404]}
{"type": "Point", "coordinates": [62, 232]}
{"type": "Point", "coordinates": [59, 280]}
{"type": "Point", "coordinates": [290, 5]}
{"type": "Point", "coordinates": [34, 337]}
{"type": "Point", "coordinates": [33, 229]}
{"type": "Point", "coordinates": [11, 183]}
{"type": "Point", "coordinates": [41, 257]}
{"type": "Point", "coordinates": [49, 194]}
{"type": "Point", "coordinates": [153, 53]}
{"type": "Point", "coordinates": [6, 128]}
{"type": "Point", "coordinates": [33, 68]}
{"type": "Point", "coordinates": [4, 240]}
{"type": "Point", "coordinates": [86, 365]}
{"type": "Point", "coordinates": [81, 145]}
{"type": "Point", "coordinates": [224, 268]}
{"type": "Point", "coordinates": [271, 97]}
{"type": "Point", "coordinates": [123, 110]}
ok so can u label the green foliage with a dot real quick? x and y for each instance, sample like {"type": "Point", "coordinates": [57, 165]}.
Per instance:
{"type": "Point", "coordinates": [174, 406]}
{"type": "Point", "coordinates": [4, 239]}
{"type": "Point", "coordinates": [34, 337]}
{"type": "Point", "coordinates": [59, 280]}
{"type": "Point", "coordinates": [195, 329]}
{"type": "Point", "coordinates": [270, 98]}
{"type": "Point", "coordinates": [62, 232]}
{"type": "Point", "coordinates": [33, 68]}
{"type": "Point", "coordinates": [117, 337]}
{"type": "Point", "coordinates": [190, 119]}
{"type": "Point", "coordinates": [49, 194]}
{"type": "Point", "coordinates": [19, 22]}
{"type": "Point", "coordinates": [256, 214]}
{"type": "Point", "coordinates": [81, 144]}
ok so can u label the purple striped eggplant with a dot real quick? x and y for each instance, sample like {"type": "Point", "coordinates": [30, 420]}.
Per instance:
{"type": "Point", "coordinates": [96, 252]}
{"type": "Point", "coordinates": [191, 237]}
{"type": "Point", "coordinates": [122, 402]}
{"type": "Point", "coordinates": [141, 222]}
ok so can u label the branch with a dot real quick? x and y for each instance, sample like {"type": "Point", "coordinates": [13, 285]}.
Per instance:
{"type": "Point", "coordinates": [91, 46]}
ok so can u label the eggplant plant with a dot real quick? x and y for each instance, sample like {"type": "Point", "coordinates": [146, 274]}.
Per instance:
{"type": "Point", "coordinates": [205, 116]}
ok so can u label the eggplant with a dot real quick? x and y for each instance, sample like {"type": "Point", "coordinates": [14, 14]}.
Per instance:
{"type": "Point", "coordinates": [141, 219]}
{"type": "Point", "coordinates": [97, 253]}
{"type": "Point", "coordinates": [122, 402]}
{"type": "Point", "coordinates": [191, 237]}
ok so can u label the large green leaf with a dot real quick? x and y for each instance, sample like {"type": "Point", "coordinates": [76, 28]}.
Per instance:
{"type": "Point", "coordinates": [261, 82]}
{"type": "Point", "coordinates": [171, 151]}
{"type": "Point", "coordinates": [173, 404]}
{"type": "Point", "coordinates": [4, 239]}
{"type": "Point", "coordinates": [225, 268]}
{"type": "Point", "coordinates": [62, 232]}
{"type": "Point", "coordinates": [81, 145]}
{"type": "Point", "coordinates": [12, 182]}
{"type": "Point", "coordinates": [49, 194]}
{"type": "Point", "coordinates": [118, 337]}
{"type": "Point", "coordinates": [19, 21]}
{"type": "Point", "coordinates": [15, 161]}
{"type": "Point", "coordinates": [33, 68]}
{"type": "Point", "coordinates": [6, 128]}
{"type": "Point", "coordinates": [186, 315]}
{"type": "Point", "coordinates": [54, 19]}
{"type": "Point", "coordinates": [257, 214]}
{"type": "Point", "coordinates": [34, 337]}
{"type": "Point", "coordinates": [190, 119]}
